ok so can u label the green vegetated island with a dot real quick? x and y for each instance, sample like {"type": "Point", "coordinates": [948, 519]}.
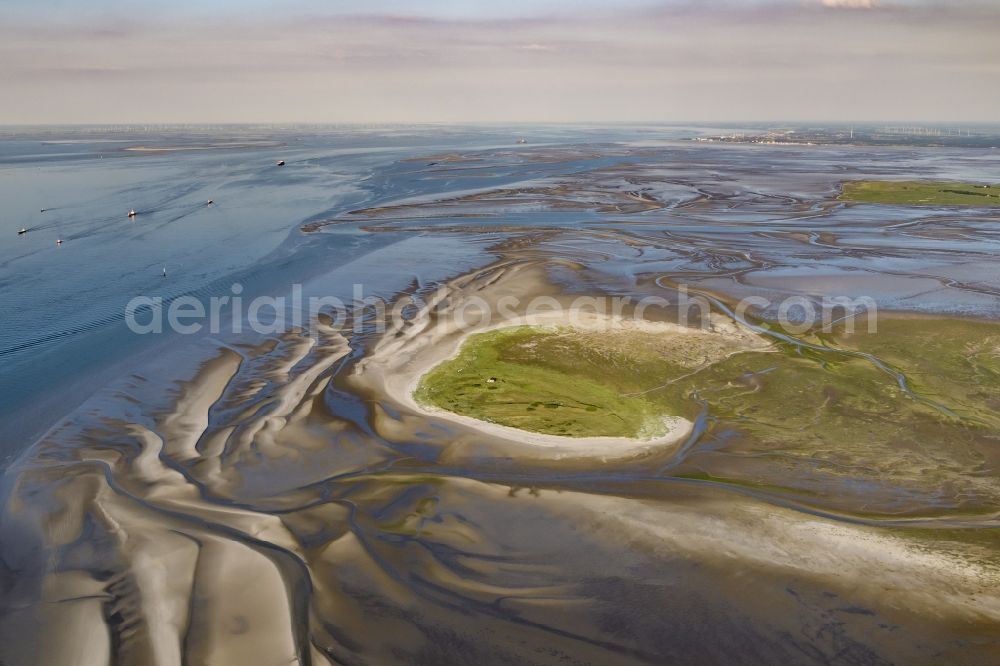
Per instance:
{"type": "Point", "coordinates": [812, 409]}
{"type": "Point", "coordinates": [919, 193]}
{"type": "Point", "coordinates": [557, 381]}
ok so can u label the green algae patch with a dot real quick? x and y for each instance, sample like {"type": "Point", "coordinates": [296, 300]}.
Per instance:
{"type": "Point", "coordinates": [919, 193]}
{"type": "Point", "coordinates": [559, 381]}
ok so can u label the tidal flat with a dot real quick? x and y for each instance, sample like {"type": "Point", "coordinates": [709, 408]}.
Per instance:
{"type": "Point", "coordinates": [825, 494]}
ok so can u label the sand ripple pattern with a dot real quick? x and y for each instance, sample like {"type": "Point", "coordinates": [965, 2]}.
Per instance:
{"type": "Point", "coordinates": [276, 507]}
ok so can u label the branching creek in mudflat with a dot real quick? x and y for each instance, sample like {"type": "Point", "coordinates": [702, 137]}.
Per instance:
{"type": "Point", "coordinates": [768, 494]}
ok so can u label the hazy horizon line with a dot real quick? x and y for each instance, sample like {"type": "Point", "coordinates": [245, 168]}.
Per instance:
{"type": "Point", "coordinates": [500, 123]}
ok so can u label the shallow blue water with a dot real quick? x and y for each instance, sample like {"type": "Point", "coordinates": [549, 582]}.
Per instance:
{"type": "Point", "coordinates": [63, 328]}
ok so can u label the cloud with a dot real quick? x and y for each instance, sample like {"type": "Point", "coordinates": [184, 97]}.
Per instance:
{"type": "Point", "coordinates": [679, 60]}
{"type": "Point", "coordinates": [851, 4]}
{"type": "Point", "coordinates": [536, 47]}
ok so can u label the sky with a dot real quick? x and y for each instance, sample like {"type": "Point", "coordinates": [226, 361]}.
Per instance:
{"type": "Point", "coordinates": [399, 61]}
